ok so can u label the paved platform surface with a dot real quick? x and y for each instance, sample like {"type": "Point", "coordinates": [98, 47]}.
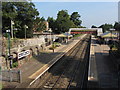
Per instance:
{"type": "Point", "coordinates": [103, 67]}
{"type": "Point", "coordinates": [32, 67]}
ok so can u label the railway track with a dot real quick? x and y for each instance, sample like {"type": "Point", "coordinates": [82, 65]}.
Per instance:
{"type": "Point", "coordinates": [66, 73]}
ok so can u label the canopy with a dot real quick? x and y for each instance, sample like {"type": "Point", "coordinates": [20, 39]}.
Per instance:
{"type": "Point", "coordinates": [108, 35]}
{"type": "Point", "coordinates": [64, 35]}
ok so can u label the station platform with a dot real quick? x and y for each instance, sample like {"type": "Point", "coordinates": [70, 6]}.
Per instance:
{"type": "Point", "coordinates": [36, 65]}
{"type": "Point", "coordinates": [102, 71]}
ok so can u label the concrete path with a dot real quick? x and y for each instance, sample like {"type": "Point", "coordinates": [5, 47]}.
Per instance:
{"type": "Point", "coordinates": [107, 75]}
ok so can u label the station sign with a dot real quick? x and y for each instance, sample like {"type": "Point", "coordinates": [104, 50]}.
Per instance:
{"type": "Point", "coordinates": [23, 54]}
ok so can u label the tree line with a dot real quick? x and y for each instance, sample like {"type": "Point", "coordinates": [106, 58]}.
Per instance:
{"type": "Point", "coordinates": [64, 21]}
{"type": "Point", "coordinates": [22, 13]}
{"type": "Point", "coordinates": [61, 24]}
{"type": "Point", "coordinates": [25, 13]}
{"type": "Point", "coordinates": [107, 27]}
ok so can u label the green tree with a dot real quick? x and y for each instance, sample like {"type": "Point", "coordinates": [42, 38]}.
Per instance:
{"type": "Point", "coordinates": [38, 24]}
{"type": "Point", "coordinates": [22, 13]}
{"type": "Point", "coordinates": [52, 23]}
{"type": "Point", "coordinates": [63, 21]}
{"type": "Point", "coordinates": [117, 26]}
{"type": "Point", "coordinates": [75, 17]}
{"type": "Point", "coordinates": [42, 19]}
{"type": "Point", "coordinates": [9, 13]}
{"type": "Point", "coordinates": [106, 27]}
{"type": "Point", "coordinates": [93, 26]}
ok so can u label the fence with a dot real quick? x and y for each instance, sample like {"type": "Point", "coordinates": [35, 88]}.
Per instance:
{"type": "Point", "coordinates": [11, 75]}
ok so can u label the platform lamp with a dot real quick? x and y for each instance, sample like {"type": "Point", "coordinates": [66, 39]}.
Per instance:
{"type": "Point", "coordinates": [50, 30]}
{"type": "Point", "coordinates": [25, 30]}
{"type": "Point", "coordinates": [9, 56]}
{"type": "Point", "coordinates": [15, 29]}
{"type": "Point", "coordinates": [8, 34]}
{"type": "Point", "coordinates": [111, 29]}
{"type": "Point", "coordinates": [12, 23]}
{"type": "Point", "coordinates": [111, 35]}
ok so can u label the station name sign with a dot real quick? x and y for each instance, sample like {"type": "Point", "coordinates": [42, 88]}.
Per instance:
{"type": "Point", "coordinates": [23, 54]}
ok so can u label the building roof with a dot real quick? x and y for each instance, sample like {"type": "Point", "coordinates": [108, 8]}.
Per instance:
{"type": "Point", "coordinates": [64, 35]}
{"type": "Point", "coordinates": [108, 35]}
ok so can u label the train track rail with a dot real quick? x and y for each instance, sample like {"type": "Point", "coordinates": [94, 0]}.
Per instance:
{"type": "Point", "coordinates": [66, 73]}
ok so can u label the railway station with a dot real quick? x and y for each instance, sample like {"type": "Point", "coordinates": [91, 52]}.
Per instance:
{"type": "Point", "coordinates": [81, 63]}
{"type": "Point", "coordinates": [69, 50]}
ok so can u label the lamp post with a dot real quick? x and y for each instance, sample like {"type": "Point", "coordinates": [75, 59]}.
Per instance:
{"type": "Point", "coordinates": [12, 23]}
{"type": "Point", "coordinates": [25, 30]}
{"type": "Point", "coordinates": [8, 32]}
{"type": "Point", "coordinates": [111, 35]}
{"type": "Point", "coordinates": [9, 56]}
{"type": "Point", "coordinates": [111, 32]}
{"type": "Point", "coordinates": [15, 30]}
{"type": "Point", "coordinates": [67, 36]}
{"type": "Point", "coordinates": [50, 34]}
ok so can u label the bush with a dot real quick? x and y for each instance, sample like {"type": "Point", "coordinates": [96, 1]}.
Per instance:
{"type": "Point", "coordinates": [15, 64]}
{"type": "Point", "coordinates": [113, 47]}
{"type": "Point", "coordinates": [52, 47]}
{"type": "Point", "coordinates": [57, 44]}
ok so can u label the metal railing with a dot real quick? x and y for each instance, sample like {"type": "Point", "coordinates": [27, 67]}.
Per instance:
{"type": "Point", "coordinates": [11, 76]}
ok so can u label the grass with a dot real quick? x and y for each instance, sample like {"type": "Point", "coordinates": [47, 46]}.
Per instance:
{"type": "Point", "coordinates": [77, 35]}
{"type": "Point", "coordinates": [57, 44]}
{"type": "Point", "coordinates": [113, 47]}
{"type": "Point", "coordinates": [15, 64]}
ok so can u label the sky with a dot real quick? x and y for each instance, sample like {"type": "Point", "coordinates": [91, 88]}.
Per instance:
{"type": "Point", "coordinates": [92, 13]}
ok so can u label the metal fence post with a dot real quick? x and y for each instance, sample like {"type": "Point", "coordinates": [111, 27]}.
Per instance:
{"type": "Point", "coordinates": [10, 73]}
{"type": "Point", "coordinates": [118, 76]}
{"type": "Point", "coordinates": [20, 78]}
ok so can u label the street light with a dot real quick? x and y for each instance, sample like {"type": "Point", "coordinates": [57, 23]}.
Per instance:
{"type": "Point", "coordinates": [13, 31]}
{"type": "Point", "coordinates": [111, 29]}
{"type": "Point", "coordinates": [8, 31]}
{"type": "Point", "coordinates": [9, 54]}
{"type": "Point", "coordinates": [12, 23]}
{"type": "Point", "coordinates": [50, 30]}
{"type": "Point", "coordinates": [25, 30]}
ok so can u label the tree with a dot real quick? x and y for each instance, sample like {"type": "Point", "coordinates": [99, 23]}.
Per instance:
{"type": "Point", "coordinates": [75, 17]}
{"type": "Point", "coordinates": [42, 19]}
{"type": "Point", "coordinates": [117, 26]}
{"type": "Point", "coordinates": [63, 21]}
{"type": "Point", "coordinates": [52, 23]}
{"type": "Point", "coordinates": [39, 25]}
{"type": "Point", "coordinates": [9, 13]}
{"type": "Point", "coordinates": [22, 13]}
{"type": "Point", "coordinates": [106, 27]}
{"type": "Point", "coordinates": [94, 26]}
